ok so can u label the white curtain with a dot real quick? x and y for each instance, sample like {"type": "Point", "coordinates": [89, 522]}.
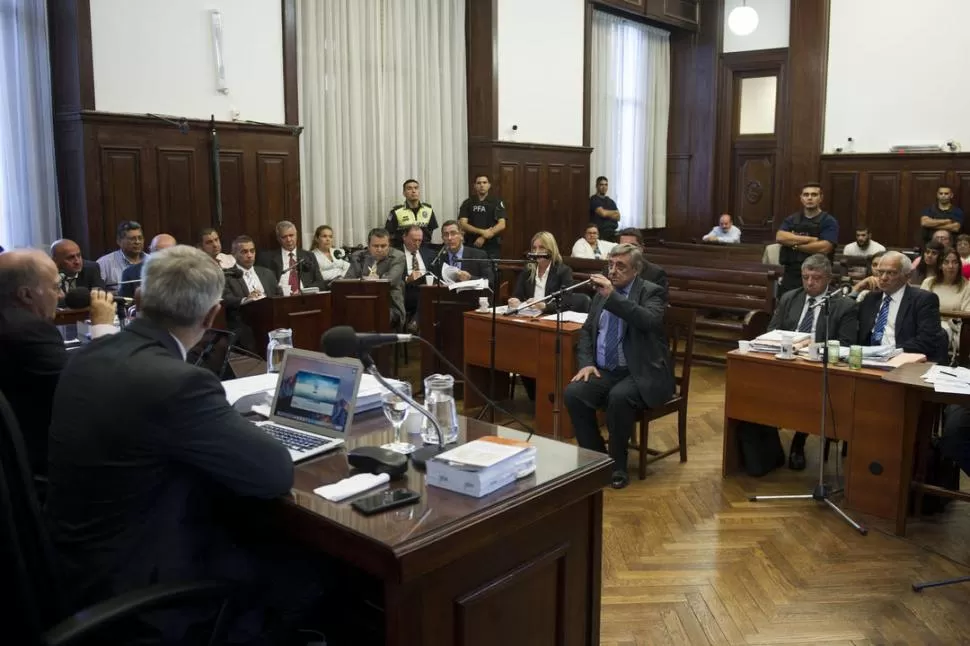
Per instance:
{"type": "Point", "coordinates": [630, 103]}
{"type": "Point", "coordinates": [28, 180]}
{"type": "Point", "coordinates": [382, 100]}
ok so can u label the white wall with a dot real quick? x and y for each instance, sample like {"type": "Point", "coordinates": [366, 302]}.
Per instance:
{"type": "Point", "coordinates": [773, 25]}
{"type": "Point", "coordinates": [896, 73]}
{"type": "Point", "coordinates": [157, 56]}
{"type": "Point", "coordinates": [540, 71]}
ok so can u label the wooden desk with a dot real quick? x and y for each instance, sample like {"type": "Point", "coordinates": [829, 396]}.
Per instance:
{"type": "Point", "coordinates": [442, 324]}
{"type": "Point", "coordinates": [868, 413]}
{"type": "Point", "coordinates": [921, 401]}
{"type": "Point", "coordinates": [308, 315]}
{"type": "Point", "coordinates": [519, 566]}
{"type": "Point", "coordinates": [364, 305]}
{"type": "Point", "coordinates": [526, 347]}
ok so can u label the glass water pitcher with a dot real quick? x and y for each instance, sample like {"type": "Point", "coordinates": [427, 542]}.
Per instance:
{"type": "Point", "coordinates": [439, 399]}
{"type": "Point", "coordinates": [280, 340]}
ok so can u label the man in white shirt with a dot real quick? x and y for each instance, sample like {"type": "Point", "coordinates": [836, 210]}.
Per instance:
{"type": "Point", "coordinates": [590, 246]}
{"type": "Point", "coordinates": [246, 282]}
{"type": "Point", "coordinates": [864, 245]}
{"type": "Point", "coordinates": [417, 258]}
{"type": "Point", "coordinates": [209, 242]}
{"type": "Point", "coordinates": [295, 268]}
{"type": "Point", "coordinates": [725, 232]}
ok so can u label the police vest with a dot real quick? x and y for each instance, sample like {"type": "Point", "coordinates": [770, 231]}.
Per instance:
{"type": "Point", "coordinates": [804, 227]}
{"type": "Point", "coordinates": [405, 217]}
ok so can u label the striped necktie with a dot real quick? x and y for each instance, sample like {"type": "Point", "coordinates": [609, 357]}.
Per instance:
{"type": "Point", "coordinates": [611, 344]}
{"type": "Point", "coordinates": [881, 320]}
{"type": "Point", "coordinates": [809, 318]}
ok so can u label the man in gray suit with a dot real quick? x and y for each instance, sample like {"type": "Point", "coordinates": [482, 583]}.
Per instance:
{"type": "Point", "coordinates": [798, 310]}
{"type": "Point", "coordinates": [625, 364]}
{"type": "Point", "coordinates": [381, 261]}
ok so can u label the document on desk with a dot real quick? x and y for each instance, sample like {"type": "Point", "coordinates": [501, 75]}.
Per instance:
{"type": "Point", "coordinates": [568, 317]}
{"type": "Point", "coordinates": [948, 380]}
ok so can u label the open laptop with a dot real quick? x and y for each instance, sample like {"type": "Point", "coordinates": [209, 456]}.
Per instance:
{"type": "Point", "coordinates": [313, 406]}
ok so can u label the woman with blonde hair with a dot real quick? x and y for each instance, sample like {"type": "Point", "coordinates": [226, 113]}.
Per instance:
{"type": "Point", "coordinates": [331, 261]}
{"type": "Point", "coordinates": [546, 275]}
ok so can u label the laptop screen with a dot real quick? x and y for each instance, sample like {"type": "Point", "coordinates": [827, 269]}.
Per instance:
{"type": "Point", "coordinates": [316, 392]}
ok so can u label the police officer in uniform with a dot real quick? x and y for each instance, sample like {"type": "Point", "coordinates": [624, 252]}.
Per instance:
{"type": "Point", "coordinates": [802, 234]}
{"type": "Point", "coordinates": [482, 218]}
{"type": "Point", "coordinates": [412, 212]}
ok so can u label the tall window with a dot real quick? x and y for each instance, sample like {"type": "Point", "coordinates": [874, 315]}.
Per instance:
{"type": "Point", "coordinates": [28, 181]}
{"type": "Point", "coordinates": [630, 100]}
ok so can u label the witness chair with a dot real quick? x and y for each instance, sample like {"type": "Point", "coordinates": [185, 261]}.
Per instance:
{"type": "Point", "coordinates": [679, 324]}
{"type": "Point", "coordinates": [35, 608]}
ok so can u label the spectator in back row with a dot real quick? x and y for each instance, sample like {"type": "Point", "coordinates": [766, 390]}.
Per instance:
{"type": "Point", "coordinates": [131, 251]}
{"type": "Point", "coordinates": [131, 276]}
{"type": "Point", "coordinates": [210, 243]}
{"type": "Point", "coordinates": [603, 212]}
{"type": "Point", "coordinates": [963, 248]}
{"type": "Point", "coordinates": [864, 245]}
{"type": "Point", "coordinates": [590, 245]}
{"type": "Point", "coordinates": [925, 266]}
{"type": "Point", "coordinates": [332, 262]}
{"type": "Point", "coordinates": [74, 270]}
{"type": "Point", "coordinates": [725, 232]}
{"type": "Point", "coordinates": [943, 215]}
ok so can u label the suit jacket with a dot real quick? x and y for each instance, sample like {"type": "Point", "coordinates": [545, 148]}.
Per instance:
{"type": "Point", "coordinates": [560, 276]}
{"type": "Point", "coordinates": [411, 289]}
{"type": "Point", "coordinates": [842, 322]}
{"type": "Point", "coordinates": [90, 276]}
{"type": "Point", "coordinates": [131, 272]}
{"type": "Point", "coordinates": [32, 356]}
{"type": "Point", "coordinates": [273, 260]}
{"type": "Point", "coordinates": [232, 296]}
{"type": "Point", "coordinates": [132, 486]}
{"type": "Point", "coordinates": [476, 269]}
{"type": "Point", "coordinates": [917, 323]}
{"type": "Point", "coordinates": [644, 338]}
{"type": "Point", "coordinates": [656, 275]}
{"type": "Point", "coordinates": [391, 268]}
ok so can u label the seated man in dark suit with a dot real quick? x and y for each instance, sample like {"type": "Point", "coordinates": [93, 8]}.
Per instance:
{"type": "Point", "coordinates": [900, 315]}
{"type": "Point", "coordinates": [132, 273]}
{"type": "Point", "coordinates": [246, 282]}
{"type": "Point", "coordinates": [454, 251]}
{"type": "Point", "coordinates": [625, 363]}
{"type": "Point", "coordinates": [135, 487]}
{"type": "Point", "coordinates": [302, 267]}
{"type": "Point", "coordinates": [651, 271]}
{"type": "Point", "coordinates": [32, 353]}
{"type": "Point", "coordinates": [417, 259]}
{"type": "Point", "coordinates": [797, 311]}
{"type": "Point", "coordinates": [75, 271]}
{"type": "Point", "coordinates": [380, 261]}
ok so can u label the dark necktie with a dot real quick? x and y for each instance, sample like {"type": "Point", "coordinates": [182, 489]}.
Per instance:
{"type": "Point", "coordinates": [881, 320]}
{"type": "Point", "coordinates": [809, 318]}
{"type": "Point", "coordinates": [611, 345]}
{"type": "Point", "coordinates": [294, 278]}
{"type": "Point", "coordinates": [414, 261]}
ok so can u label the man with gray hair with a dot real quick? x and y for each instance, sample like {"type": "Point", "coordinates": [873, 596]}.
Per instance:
{"type": "Point", "coordinates": [295, 268]}
{"type": "Point", "coordinates": [902, 316]}
{"type": "Point", "coordinates": [799, 310]}
{"type": "Point", "coordinates": [32, 353]}
{"type": "Point", "coordinates": [133, 485]}
{"type": "Point", "coordinates": [625, 365]}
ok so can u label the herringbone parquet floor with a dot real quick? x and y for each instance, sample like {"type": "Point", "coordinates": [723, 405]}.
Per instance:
{"type": "Point", "coordinates": [688, 560]}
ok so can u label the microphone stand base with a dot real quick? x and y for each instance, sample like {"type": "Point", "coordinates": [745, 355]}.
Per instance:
{"type": "Point", "coordinates": [420, 456]}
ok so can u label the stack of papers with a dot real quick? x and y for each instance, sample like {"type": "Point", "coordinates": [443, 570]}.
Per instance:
{"type": "Point", "coordinates": [568, 317]}
{"type": "Point", "coordinates": [948, 380]}
{"type": "Point", "coordinates": [466, 285]}
{"type": "Point", "coordinates": [771, 341]}
{"type": "Point", "coordinates": [482, 466]}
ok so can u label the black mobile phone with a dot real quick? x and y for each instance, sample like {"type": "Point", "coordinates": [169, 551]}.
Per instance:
{"type": "Point", "coordinates": [384, 500]}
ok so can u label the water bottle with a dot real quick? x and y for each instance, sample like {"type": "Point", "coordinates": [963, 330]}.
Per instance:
{"type": "Point", "coordinates": [439, 399]}
{"type": "Point", "coordinates": [280, 340]}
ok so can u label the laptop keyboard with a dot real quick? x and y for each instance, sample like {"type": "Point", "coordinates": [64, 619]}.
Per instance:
{"type": "Point", "coordinates": [295, 440]}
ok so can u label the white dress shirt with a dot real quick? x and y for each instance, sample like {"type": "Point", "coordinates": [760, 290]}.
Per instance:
{"type": "Point", "coordinates": [540, 291]}
{"type": "Point", "coordinates": [253, 283]}
{"type": "Point", "coordinates": [582, 249]}
{"type": "Point", "coordinates": [285, 278]}
{"type": "Point", "coordinates": [182, 349]}
{"type": "Point", "coordinates": [330, 269]}
{"type": "Point", "coordinates": [852, 249]}
{"type": "Point", "coordinates": [889, 334]}
{"type": "Point", "coordinates": [814, 315]}
{"type": "Point", "coordinates": [409, 259]}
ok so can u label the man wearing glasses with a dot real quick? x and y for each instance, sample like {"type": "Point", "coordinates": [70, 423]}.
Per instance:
{"type": "Point", "coordinates": [623, 356]}
{"type": "Point", "coordinates": [900, 315]}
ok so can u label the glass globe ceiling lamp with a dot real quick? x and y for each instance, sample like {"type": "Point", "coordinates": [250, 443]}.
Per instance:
{"type": "Point", "coordinates": [743, 20]}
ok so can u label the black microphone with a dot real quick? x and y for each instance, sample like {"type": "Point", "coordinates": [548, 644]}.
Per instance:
{"type": "Point", "coordinates": [80, 298]}
{"type": "Point", "coordinates": [302, 263]}
{"type": "Point", "coordinates": [343, 341]}
{"type": "Point", "coordinates": [538, 256]}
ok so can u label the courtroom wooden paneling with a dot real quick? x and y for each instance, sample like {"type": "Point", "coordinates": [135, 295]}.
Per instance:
{"type": "Point", "coordinates": [692, 125]}
{"type": "Point", "coordinates": [683, 14]}
{"type": "Point", "coordinates": [887, 192]}
{"type": "Point", "coordinates": [113, 167]}
{"type": "Point", "coordinates": [545, 188]}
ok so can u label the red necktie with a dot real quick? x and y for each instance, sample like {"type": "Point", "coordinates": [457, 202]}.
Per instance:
{"type": "Point", "coordinates": [294, 276]}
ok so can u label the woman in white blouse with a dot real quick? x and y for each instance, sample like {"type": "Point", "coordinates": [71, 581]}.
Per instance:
{"type": "Point", "coordinates": [953, 291]}
{"type": "Point", "coordinates": [546, 276]}
{"type": "Point", "coordinates": [331, 261]}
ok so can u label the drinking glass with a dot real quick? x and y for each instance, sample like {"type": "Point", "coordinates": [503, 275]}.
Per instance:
{"type": "Point", "coordinates": [396, 410]}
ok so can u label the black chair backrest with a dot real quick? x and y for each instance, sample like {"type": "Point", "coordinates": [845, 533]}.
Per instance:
{"type": "Point", "coordinates": [213, 351]}
{"type": "Point", "coordinates": [680, 323]}
{"type": "Point", "coordinates": [26, 554]}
